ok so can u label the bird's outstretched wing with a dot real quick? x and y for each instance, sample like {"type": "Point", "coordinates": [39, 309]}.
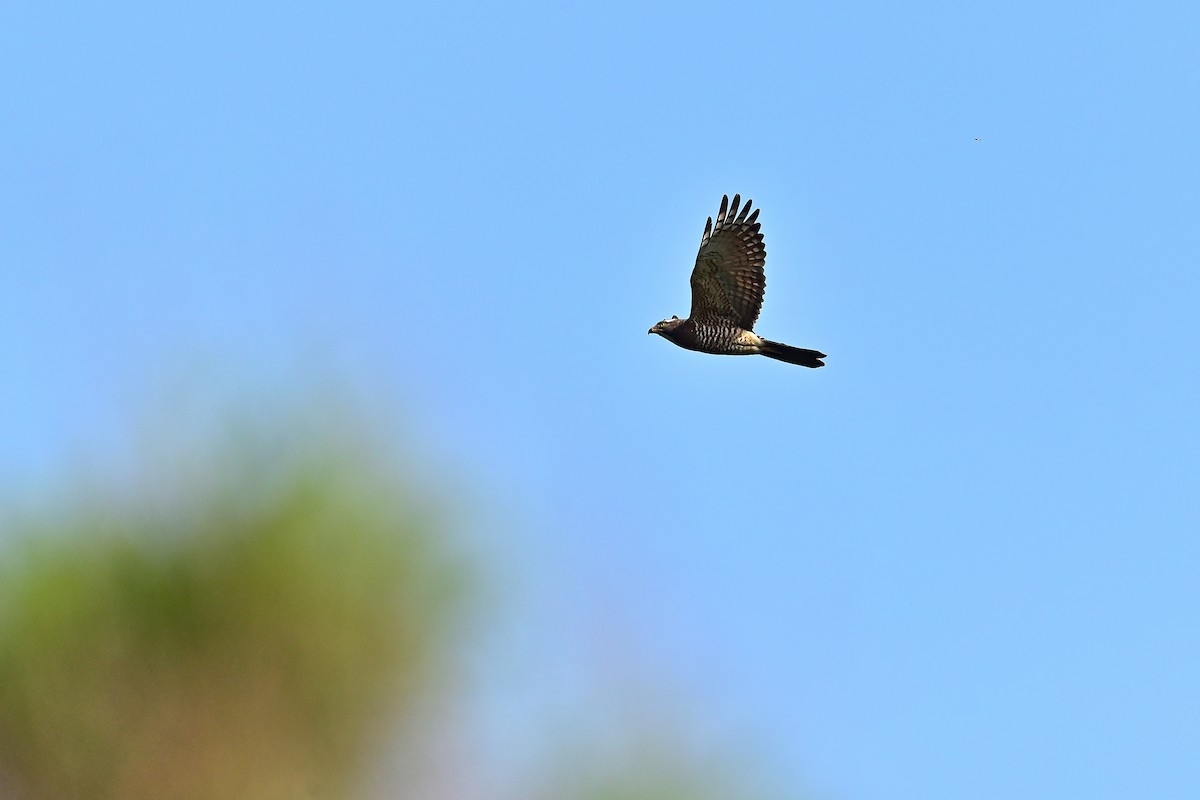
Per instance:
{"type": "Point", "coordinates": [728, 280]}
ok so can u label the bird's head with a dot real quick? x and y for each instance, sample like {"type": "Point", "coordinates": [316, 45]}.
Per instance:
{"type": "Point", "coordinates": [665, 327]}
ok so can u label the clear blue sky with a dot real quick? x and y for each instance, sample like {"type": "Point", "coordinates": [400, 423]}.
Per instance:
{"type": "Point", "coordinates": [961, 561]}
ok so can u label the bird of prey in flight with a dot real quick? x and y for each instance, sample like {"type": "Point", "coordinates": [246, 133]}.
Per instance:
{"type": "Point", "coordinates": [727, 293]}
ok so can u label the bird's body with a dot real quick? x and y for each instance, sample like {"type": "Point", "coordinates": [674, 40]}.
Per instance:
{"type": "Point", "coordinates": [727, 293]}
{"type": "Point", "coordinates": [712, 335]}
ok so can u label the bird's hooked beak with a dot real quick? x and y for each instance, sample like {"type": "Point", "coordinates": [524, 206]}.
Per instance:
{"type": "Point", "coordinates": [651, 330]}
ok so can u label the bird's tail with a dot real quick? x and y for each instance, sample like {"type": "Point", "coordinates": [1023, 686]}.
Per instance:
{"type": "Point", "coordinates": [792, 355]}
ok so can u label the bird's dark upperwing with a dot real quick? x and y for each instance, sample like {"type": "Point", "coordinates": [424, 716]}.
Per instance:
{"type": "Point", "coordinates": [728, 280]}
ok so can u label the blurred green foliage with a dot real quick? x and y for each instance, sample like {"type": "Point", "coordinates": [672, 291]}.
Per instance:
{"type": "Point", "coordinates": [257, 618]}
{"type": "Point", "coordinates": [252, 646]}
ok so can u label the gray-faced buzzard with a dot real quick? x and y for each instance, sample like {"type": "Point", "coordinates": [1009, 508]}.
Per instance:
{"type": "Point", "coordinates": [727, 293]}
